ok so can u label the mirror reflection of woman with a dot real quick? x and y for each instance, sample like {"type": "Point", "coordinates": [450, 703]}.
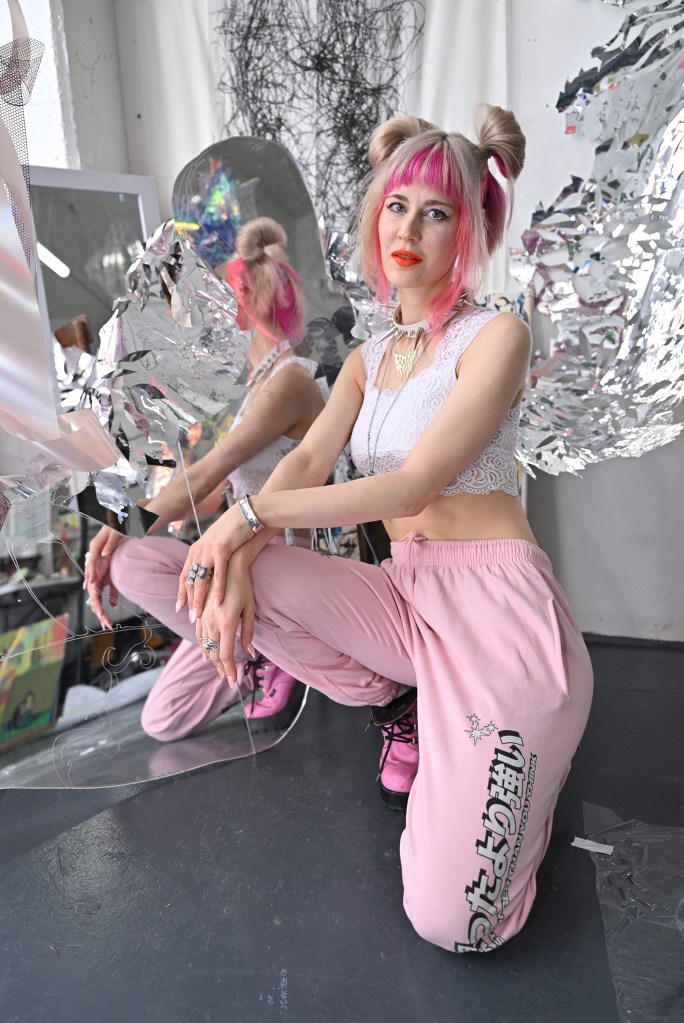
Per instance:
{"type": "Point", "coordinates": [467, 615]}
{"type": "Point", "coordinates": [281, 402]}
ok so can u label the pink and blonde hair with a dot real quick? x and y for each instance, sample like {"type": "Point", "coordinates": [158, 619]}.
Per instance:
{"type": "Point", "coordinates": [267, 288]}
{"type": "Point", "coordinates": [409, 150]}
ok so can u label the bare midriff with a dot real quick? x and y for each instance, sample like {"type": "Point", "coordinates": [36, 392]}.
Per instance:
{"type": "Point", "coordinates": [495, 516]}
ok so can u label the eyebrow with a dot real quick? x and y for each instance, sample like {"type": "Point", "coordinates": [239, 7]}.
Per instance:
{"type": "Point", "coordinates": [428, 202]}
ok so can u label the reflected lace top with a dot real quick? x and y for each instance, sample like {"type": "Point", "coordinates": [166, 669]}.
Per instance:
{"type": "Point", "coordinates": [422, 397]}
{"type": "Point", "coordinates": [250, 477]}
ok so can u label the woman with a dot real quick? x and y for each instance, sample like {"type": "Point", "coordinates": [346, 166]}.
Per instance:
{"type": "Point", "coordinates": [281, 402]}
{"type": "Point", "coordinates": [466, 615]}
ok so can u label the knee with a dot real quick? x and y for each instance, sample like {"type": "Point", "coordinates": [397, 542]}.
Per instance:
{"type": "Point", "coordinates": [157, 720]}
{"type": "Point", "coordinates": [129, 560]}
{"type": "Point", "coordinates": [465, 915]}
{"type": "Point", "coordinates": [461, 931]}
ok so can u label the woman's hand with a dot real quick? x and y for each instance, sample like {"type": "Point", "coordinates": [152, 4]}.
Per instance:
{"type": "Point", "coordinates": [211, 552]}
{"type": "Point", "coordinates": [220, 622]}
{"type": "Point", "coordinates": [97, 576]}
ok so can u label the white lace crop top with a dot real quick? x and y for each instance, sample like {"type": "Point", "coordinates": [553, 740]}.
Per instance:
{"type": "Point", "coordinates": [250, 477]}
{"type": "Point", "coordinates": [422, 397]}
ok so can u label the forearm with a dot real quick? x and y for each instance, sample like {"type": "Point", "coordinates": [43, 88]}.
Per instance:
{"type": "Point", "coordinates": [173, 503]}
{"type": "Point", "coordinates": [293, 473]}
{"type": "Point", "coordinates": [390, 495]}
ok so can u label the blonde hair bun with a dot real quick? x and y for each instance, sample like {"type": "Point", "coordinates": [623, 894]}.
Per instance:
{"type": "Point", "coordinates": [388, 136]}
{"type": "Point", "coordinates": [499, 135]}
{"type": "Point", "coordinates": [254, 236]}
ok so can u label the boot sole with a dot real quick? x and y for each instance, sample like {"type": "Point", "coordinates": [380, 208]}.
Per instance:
{"type": "Point", "coordinates": [395, 800]}
{"type": "Point", "coordinates": [284, 718]}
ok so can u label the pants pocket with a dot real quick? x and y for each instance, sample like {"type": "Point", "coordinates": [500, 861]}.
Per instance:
{"type": "Point", "coordinates": [560, 655]}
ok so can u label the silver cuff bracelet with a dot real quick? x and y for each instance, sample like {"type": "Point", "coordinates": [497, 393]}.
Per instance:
{"type": "Point", "coordinates": [249, 516]}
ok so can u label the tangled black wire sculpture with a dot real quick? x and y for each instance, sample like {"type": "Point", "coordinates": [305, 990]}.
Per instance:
{"type": "Point", "coordinates": [318, 76]}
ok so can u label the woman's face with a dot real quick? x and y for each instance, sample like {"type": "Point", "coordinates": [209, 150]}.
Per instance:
{"type": "Point", "coordinates": [417, 231]}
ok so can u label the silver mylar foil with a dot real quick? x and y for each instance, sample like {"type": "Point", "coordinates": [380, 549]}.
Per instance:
{"type": "Point", "coordinates": [342, 262]}
{"type": "Point", "coordinates": [169, 357]}
{"type": "Point", "coordinates": [605, 259]}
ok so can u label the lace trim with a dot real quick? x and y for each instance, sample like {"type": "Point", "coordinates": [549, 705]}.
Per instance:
{"type": "Point", "coordinates": [449, 348]}
{"type": "Point", "coordinates": [493, 470]}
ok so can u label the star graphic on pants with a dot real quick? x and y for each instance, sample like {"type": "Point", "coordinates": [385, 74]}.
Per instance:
{"type": "Point", "coordinates": [474, 719]}
{"type": "Point", "coordinates": [475, 733]}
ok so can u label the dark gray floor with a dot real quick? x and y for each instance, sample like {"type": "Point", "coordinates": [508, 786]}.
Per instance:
{"type": "Point", "coordinates": [270, 886]}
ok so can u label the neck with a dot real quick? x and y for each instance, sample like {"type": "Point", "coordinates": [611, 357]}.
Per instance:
{"type": "Point", "coordinates": [261, 345]}
{"type": "Point", "coordinates": [414, 302]}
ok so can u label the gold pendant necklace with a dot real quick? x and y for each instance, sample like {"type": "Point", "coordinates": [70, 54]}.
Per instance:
{"type": "Point", "coordinates": [405, 361]}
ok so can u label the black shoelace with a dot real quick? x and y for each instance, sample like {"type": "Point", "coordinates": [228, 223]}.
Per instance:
{"type": "Point", "coordinates": [404, 729]}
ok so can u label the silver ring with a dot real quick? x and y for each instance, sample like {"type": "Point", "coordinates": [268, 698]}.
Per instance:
{"type": "Point", "coordinates": [194, 567]}
{"type": "Point", "coordinates": [210, 644]}
{"type": "Point", "coordinates": [203, 572]}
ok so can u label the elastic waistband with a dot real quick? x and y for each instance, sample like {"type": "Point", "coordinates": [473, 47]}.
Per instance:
{"type": "Point", "coordinates": [417, 550]}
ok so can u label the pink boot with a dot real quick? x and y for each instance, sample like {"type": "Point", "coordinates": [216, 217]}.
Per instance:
{"type": "Point", "coordinates": [399, 760]}
{"type": "Point", "coordinates": [276, 699]}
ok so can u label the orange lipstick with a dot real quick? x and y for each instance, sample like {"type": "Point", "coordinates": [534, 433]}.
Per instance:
{"type": "Point", "coordinates": [402, 257]}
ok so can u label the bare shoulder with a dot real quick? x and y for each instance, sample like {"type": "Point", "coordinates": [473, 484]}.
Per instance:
{"type": "Point", "coordinates": [292, 378]}
{"type": "Point", "coordinates": [353, 370]}
{"type": "Point", "coordinates": [508, 328]}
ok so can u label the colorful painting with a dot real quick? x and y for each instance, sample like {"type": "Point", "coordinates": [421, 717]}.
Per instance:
{"type": "Point", "coordinates": [30, 667]}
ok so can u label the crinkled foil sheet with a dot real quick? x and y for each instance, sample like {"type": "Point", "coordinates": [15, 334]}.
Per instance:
{"type": "Point", "coordinates": [605, 259]}
{"type": "Point", "coordinates": [170, 356]}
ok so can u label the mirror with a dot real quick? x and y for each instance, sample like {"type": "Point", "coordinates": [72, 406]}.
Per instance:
{"type": "Point", "coordinates": [71, 694]}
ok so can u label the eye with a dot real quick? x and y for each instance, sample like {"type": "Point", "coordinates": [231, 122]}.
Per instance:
{"type": "Point", "coordinates": [396, 207]}
{"type": "Point", "coordinates": [435, 214]}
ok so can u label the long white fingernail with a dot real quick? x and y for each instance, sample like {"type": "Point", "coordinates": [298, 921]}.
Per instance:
{"type": "Point", "coordinates": [251, 650]}
{"type": "Point", "coordinates": [178, 606]}
{"type": "Point", "coordinates": [192, 616]}
{"type": "Point", "coordinates": [217, 603]}
{"type": "Point", "coordinates": [230, 680]}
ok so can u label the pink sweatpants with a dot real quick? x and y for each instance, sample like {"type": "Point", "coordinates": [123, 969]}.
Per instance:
{"type": "Point", "coordinates": [189, 692]}
{"type": "Point", "coordinates": [504, 681]}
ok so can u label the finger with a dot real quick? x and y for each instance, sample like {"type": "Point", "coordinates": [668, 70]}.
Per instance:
{"type": "Point", "coordinates": [247, 630]}
{"type": "Point", "coordinates": [220, 576]}
{"type": "Point", "coordinates": [227, 663]}
{"type": "Point", "coordinates": [200, 589]}
{"type": "Point", "coordinates": [184, 589]}
{"type": "Point", "coordinates": [112, 542]}
{"type": "Point", "coordinates": [95, 598]}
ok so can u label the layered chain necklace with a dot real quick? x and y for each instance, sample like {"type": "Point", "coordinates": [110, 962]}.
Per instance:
{"type": "Point", "coordinates": [405, 364]}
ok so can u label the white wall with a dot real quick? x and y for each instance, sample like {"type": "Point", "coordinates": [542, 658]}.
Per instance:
{"type": "Point", "coordinates": [97, 102]}
{"type": "Point", "coordinates": [169, 86]}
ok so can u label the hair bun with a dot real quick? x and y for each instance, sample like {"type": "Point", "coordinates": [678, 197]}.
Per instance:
{"type": "Point", "coordinates": [255, 235]}
{"type": "Point", "coordinates": [499, 135]}
{"type": "Point", "coordinates": [392, 133]}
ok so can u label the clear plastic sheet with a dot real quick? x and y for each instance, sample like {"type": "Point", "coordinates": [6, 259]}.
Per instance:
{"type": "Point", "coordinates": [641, 891]}
{"type": "Point", "coordinates": [71, 694]}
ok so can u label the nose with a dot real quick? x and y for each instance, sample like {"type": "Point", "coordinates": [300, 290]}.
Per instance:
{"type": "Point", "coordinates": [409, 228]}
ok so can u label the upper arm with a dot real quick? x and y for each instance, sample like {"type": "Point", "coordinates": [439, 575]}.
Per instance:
{"type": "Point", "coordinates": [332, 429]}
{"type": "Point", "coordinates": [491, 374]}
{"type": "Point", "coordinates": [290, 398]}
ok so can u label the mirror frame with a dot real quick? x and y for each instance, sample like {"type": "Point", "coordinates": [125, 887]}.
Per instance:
{"type": "Point", "coordinates": [142, 187]}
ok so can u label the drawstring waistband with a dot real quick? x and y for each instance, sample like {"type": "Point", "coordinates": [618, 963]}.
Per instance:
{"type": "Point", "coordinates": [417, 550]}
